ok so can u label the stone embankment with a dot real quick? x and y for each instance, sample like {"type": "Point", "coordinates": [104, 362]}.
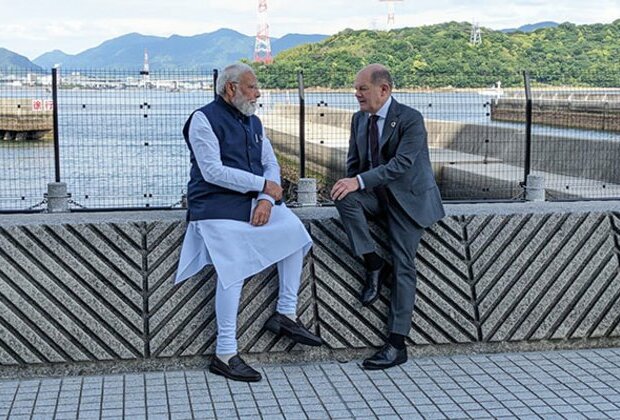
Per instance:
{"type": "Point", "coordinates": [22, 120]}
{"type": "Point", "coordinates": [575, 110]}
{"type": "Point", "coordinates": [470, 160]}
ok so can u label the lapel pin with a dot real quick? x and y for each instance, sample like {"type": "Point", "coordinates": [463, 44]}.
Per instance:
{"type": "Point", "coordinates": [393, 124]}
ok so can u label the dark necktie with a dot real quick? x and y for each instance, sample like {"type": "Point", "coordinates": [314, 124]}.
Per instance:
{"type": "Point", "coordinates": [373, 140]}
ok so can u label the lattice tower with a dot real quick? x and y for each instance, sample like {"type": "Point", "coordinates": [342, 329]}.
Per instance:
{"type": "Point", "coordinates": [262, 47]}
{"type": "Point", "coordinates": [390, 15]}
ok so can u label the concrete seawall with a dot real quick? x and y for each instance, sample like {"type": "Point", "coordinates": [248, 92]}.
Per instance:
{"type": "Point", "coordinates": [19, 121]}
{"type": "Point", "coordinates": [94, 292]}
{"type": "Point", "coordinates": [594, 114]}
{"type": "Point", "coordinates": [470, 160]}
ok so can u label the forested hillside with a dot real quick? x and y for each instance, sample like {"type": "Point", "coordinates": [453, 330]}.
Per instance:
{"type": "Point", "coordinates": [441, 55]}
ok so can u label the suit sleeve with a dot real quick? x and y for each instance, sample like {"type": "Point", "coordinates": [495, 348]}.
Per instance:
{"type": "Point", "coordinates": [353, 160]}
{"type": "Point", "coordinates": [412, 140]}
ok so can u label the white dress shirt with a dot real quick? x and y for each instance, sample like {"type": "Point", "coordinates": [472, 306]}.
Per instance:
{"type": "Point", "coordinates": [237, 249]}
{"type": "Point", "coordinates": [382, 114]}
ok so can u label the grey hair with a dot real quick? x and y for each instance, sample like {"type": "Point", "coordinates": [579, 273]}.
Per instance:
{"type": "Point", "coordinates": [231, 73]}
{"type": "Point", "coordinates": [381, 75]}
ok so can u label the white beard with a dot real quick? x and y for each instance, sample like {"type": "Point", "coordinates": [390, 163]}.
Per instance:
{"type": "Point", "coordinates": [243, 105]}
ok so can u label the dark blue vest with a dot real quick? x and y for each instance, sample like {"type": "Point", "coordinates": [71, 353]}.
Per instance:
{"type": "Point", "coordinates": [241, 145]}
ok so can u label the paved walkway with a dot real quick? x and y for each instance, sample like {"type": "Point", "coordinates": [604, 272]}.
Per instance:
{"type": "Point", "coordinates": [549, 385]}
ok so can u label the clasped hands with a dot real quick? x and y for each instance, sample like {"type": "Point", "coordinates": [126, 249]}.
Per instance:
{"type": "Point", "coordinates": [262, 211]}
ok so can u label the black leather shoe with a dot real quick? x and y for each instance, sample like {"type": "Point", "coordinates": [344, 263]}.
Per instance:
{"type": "Point", "coordinates": [236, 369]}
{"type": "Point", "coordinates": [374, 279]}
{"type": "Point", "coordinates": [385, 358]}
{"type": "Point", "coordinates": [282, 325]}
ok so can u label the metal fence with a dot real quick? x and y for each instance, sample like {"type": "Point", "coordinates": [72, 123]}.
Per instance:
{"type": "Point", "coordinates": [118, 142]}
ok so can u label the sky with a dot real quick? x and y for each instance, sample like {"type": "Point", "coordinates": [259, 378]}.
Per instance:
{"type": "Point", "coordinates": [33, 27]}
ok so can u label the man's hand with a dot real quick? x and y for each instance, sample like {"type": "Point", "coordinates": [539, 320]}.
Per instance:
{"type": "Point", "coordinates": [273, 189]}
{"type": "Point", "coordinates": [262, 212]}
{"type": "Point", "coordinates": [344, 186]}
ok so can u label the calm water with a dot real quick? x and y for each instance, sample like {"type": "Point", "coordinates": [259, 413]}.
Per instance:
{"type": "Point", "coordinates": [124, 148]}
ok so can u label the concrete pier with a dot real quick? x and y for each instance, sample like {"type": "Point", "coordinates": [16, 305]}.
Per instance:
{"type": "Point", "coordinates": [470, 161]}
{"type": "Point", "coordinates": [20, 120]}
{"type": "Point", "coordinates": [590, 112]}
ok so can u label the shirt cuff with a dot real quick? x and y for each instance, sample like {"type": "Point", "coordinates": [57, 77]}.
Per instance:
{"type": "Point", "coordinates": [263, 196]}
{"type": "Point", "coordinates": [361, 182]}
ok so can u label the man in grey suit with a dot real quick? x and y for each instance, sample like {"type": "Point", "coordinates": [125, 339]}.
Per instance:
{"type": "Point", "coordinates": [389, 177]}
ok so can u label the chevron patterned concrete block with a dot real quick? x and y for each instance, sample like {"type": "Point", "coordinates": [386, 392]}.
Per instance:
{"type": "Point", "coordinates": [445, 311]}
{"type": "Point", "coordinates": [444, 308]}
{"type": "Point", "coordinates": [610, 324]}
{"type": "Point", "coordinates": [548, 276]}
{"type": "Point", "coordinates": [181, 318]}
{"type": "Point", "coordinates": [88, 292]}
{"type": "Point", "coordinates": [70, 293]}
{"type": "Point", "coordinates": [339, 279]}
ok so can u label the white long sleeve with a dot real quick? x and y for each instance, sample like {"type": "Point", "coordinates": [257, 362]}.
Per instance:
{"type": "Point", "coordinates": [206, 148]}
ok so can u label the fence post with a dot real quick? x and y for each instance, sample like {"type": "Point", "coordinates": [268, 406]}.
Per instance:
{"type": "Point", "coordinates": [55, 122]}
{"type": "Point", "coordinates": [302, 125]}
{"type": "Point", "coordinates": [528, 127]}
{"type": "Point", "coordinates": [215, 73]}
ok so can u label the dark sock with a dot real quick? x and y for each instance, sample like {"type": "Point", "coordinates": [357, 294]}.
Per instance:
{"type": "Point", "coordinates": [397, 340]}
{"type": "Point", "coordinates": [372, 261]}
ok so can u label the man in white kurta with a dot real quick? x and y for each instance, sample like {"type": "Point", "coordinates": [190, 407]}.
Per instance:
{"type": "Point", "coordinates": [239, 249]}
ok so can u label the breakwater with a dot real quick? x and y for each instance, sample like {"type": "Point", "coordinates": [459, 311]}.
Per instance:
{"type": "Point", "coordinates": [25, 119]}
{"type": "Point", "coordinates": [585, 111]}
{"type": "Point", "coordinates": [470, 160]}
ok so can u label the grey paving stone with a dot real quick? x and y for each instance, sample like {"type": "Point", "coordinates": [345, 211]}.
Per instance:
{"type": "Point", "coordinates": [317, 414]}
{"type": "Point", "coordinates": [65, 415]}
{"type": "Point", "coordinates": [269, 410]}
{"type": "Point", "coordinates": [522, 411]}
{"type": "Point", "coordinates": [21, 411]}
{"type": "Point", "coordinates": [248, 412]}
{"type": "Point", "coordinates": [291, 408]}
{"type": "Point", "coordinates": [245, 403]}
{"type": "Point", "coordinates": [89, 414]}
{"type": "Point", "coordinates": [184, 415]}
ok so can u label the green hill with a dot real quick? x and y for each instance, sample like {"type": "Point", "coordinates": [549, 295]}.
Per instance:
{"type": "Point", "coordinates": [441, 55]}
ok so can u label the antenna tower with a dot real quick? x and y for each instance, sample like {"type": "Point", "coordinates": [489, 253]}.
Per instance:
{"type": "Point", "coordinates": [145, 67]}
{"type": "Point", "coordinates": [476, 36]}
{"type": "Point", "coordinates": [390, 15]}
{"type": "Point", "coordinates": [262, 47]}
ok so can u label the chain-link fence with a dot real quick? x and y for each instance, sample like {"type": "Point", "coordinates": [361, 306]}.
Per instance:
{"type": "Point", "coordinates": [119, 142]}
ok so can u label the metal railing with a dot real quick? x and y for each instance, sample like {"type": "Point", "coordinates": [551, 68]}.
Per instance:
{"type": "Point", "coordinates": [114, 137]}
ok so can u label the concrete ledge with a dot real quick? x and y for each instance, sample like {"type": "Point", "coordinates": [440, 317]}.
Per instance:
{"type": "Point", "coordinates": [94, 290]}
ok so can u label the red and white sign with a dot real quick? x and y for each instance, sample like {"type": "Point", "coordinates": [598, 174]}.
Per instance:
{"type": "Point", "coordinates": [37, 105]}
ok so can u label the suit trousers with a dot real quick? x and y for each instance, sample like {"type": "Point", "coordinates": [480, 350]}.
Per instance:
{"type": "Point", "coordinates": [404, 237]}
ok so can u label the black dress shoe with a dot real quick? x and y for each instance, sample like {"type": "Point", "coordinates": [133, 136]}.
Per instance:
{"type": "Point", "coordinates": [374, 279]}
{"type": "Point", "coordinates": [385, 358]}
{"type": "Point", "coordinates": [236, 369]}
{"type": "Point", "coordinates": [282, 325]}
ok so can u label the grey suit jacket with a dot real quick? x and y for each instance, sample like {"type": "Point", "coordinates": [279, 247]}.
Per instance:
{"type": "Point", "coordinates": [405, 167]}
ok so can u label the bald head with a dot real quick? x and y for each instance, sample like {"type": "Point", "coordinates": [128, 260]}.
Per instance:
{"type": "Point", "coordinates": [378, 74]}
{"type": "Point", "coordinates": [373, 87]}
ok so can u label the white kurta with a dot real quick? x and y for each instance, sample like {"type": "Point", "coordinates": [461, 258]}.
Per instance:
{"type": "Point", "coordinates": [237, 249]}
